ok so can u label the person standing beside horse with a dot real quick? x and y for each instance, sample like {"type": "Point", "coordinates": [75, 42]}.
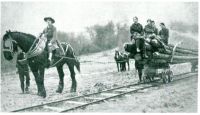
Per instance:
{"type": "Point", "coordinates": [23, 71]}
{"type": "Point", "coordinates": [50, 34]}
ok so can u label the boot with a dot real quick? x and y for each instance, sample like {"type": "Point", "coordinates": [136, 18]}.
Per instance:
{"type": "Point", "coordinates": [50, 61]}
{"type": "Point", "coordinates": [138, 50]}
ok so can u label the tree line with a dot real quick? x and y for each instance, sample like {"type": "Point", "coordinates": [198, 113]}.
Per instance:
{"type": "Point", "coordinates": [97, 38]}
{"type": "Point", "coordinates": [103, 37]}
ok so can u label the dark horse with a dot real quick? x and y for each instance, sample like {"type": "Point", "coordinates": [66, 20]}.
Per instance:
{"type": "Point", "coordinates": [121, 60]}
{"type": "Point", "coordinates": [13, 40]}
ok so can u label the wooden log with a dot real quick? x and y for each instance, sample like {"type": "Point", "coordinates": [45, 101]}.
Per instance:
{"type": "Point", "coordinates": [182, 51]}
{"type": "Point", "coordinates": [193, 50]}
{"type": "Point", "coordinates": [169, 52]}
{"type": "Point", "coordinates": [164, 61]}
{"type": "Point", "coordinates": [175, 57]}
{"type": "Point", "coordinates": [179, 51]}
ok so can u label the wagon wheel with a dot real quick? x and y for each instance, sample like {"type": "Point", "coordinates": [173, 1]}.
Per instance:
{"type": "Point", "coordinates": [164, 77]}
{"type": "Point", "coordinates": [170, 76]}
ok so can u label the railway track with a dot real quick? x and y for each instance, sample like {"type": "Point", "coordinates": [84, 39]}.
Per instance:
{"type": "Point", "coordinates": [83, 101]}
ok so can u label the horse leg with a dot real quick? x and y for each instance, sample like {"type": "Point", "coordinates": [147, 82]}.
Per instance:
{"type": "Point", "coordinates": [41, 82]}
{"type": "Point", "coordinates": [61, 77]}
{"type": "Point", "coordinates": [21, 78]}
{"type": "Point", "coordinates": [140, 74]}
{"type": "Point", "coordinates": [128, 65]}
{"type": "Point", "coordinates": [74, 85]}
{"type": "Point", "coordinates": [34, 70]}
{"type": "Point", "coordinates": [117, 66]}
{"type": "Point", "coordinates": [120, 66]}
{"type": "Point", "coordinates": [125, 66]}
{"type": "Point", "coordinates": [27, 81]}
{"type": "Point", "coordinates": [124, 63]}
{"type": "Point", "coordinates": [36, 75]}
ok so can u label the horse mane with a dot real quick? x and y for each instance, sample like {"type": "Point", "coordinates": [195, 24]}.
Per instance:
{"type": "Point", "coordinates": [26, 34]}
{"type": "Point", "coordinates": [5, 37]}
{"type": "Point", "coordinates": [18, 35]}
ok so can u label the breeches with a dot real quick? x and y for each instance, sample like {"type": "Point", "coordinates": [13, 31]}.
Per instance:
{"type": "Point", "coordinates": [51, 46]}
{"type": "Point", "coordinates": [139, 43]}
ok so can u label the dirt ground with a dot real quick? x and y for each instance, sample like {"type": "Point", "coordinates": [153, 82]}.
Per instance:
{"type": "Point", "coordinates": [99, 72]}
{"type": "Point", "coordinates": [179, 97]}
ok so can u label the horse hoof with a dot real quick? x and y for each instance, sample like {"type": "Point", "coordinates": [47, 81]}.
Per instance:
{"type": "Point", "coordinates": [73, 90]}
{"type": "Point", "coordinates": [58, 91]}
{"type": "Point", "coordinates": [26, 89]}
{"type": "Point", "coordinates": [43, 94]}
{"type": "Point", "coordinates": [39, 94]}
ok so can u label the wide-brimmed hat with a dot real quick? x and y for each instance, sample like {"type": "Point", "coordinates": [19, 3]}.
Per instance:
{"type": "Point", "coordinates": [49, 18]}
{"type": "Point", "coordinates": [162, 24]}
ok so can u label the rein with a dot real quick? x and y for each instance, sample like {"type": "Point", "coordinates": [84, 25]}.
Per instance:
{"type": "Point", "coordinates": [64, 57]}
{"type": "Point", "coordinates": [32, 52]}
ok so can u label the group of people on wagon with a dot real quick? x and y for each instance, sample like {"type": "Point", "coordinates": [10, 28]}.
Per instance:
{"type": "Point", "coordinates": [149, 34]}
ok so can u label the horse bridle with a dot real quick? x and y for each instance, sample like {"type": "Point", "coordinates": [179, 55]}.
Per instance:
{"type": "Point", "coordinates": [9, 49]}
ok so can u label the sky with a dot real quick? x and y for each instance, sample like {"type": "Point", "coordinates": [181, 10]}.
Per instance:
{"type": "Point", "coordinates": [76, 16]}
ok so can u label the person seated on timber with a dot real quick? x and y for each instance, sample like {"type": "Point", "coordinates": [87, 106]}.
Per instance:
{"type": "Point", "coordinates": [148, 30]}
{"type": "Point", "coordinates": [136, 31]}
{"type": "Point", "coordinates": [23, 71]}
{"type": "Point", "coordinates": [154, 27]}
{"type": "Point", "coordinates": [164, 33]}
{"type": "Point", "coordinates": [50, 34]}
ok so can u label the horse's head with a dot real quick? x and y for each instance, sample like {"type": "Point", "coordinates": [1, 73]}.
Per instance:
{"type": "Point", "coordinates": [9, 46]}
{"type": "Point", "coordinates": [116, 53]}
{"type": "Point", "coordinates": [11, 41]}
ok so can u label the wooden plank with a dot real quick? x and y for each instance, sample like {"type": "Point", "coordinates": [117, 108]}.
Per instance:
{"type": "Point", "coordinates": [94, 98]}
{"type": "Point", "coordinates": [53, 108]}
{"type": "Point", "coordinates": [124, 90]}
{"type": "Point", "coordinates": [108, 94]}
{"type": "Point", "coordinates": [76, 102]}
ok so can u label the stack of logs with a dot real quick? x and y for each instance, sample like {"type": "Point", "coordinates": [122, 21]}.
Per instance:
{"type": "Point", "coordinates": [180, 55]}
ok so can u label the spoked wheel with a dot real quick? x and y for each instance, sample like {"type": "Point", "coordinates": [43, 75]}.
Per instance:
{"type": "Point", "coordinates": [164, 77]}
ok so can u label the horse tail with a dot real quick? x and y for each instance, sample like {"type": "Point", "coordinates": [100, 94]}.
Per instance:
{"type": "Point", "coordinates": [77, 64]}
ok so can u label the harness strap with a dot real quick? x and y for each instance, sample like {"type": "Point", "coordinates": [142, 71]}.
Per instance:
{"type": "Point", "coordinates": [61, 56]}
{"type": "Point", "coordinates": [33, 50]}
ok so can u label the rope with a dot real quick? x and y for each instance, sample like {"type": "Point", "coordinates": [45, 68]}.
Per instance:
{"type": "Point", "coordinates": [56, 62]}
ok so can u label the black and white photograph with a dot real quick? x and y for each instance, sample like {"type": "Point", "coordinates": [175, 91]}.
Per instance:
{"type": "Point", "coordinates": [102, 56]}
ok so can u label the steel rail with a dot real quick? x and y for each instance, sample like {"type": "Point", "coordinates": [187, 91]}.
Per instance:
{"type": "Point", "coordinates": [97, 93]}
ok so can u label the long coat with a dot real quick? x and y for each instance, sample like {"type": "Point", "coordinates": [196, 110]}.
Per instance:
{"type": "Point", "coordinates": [164, 34]}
